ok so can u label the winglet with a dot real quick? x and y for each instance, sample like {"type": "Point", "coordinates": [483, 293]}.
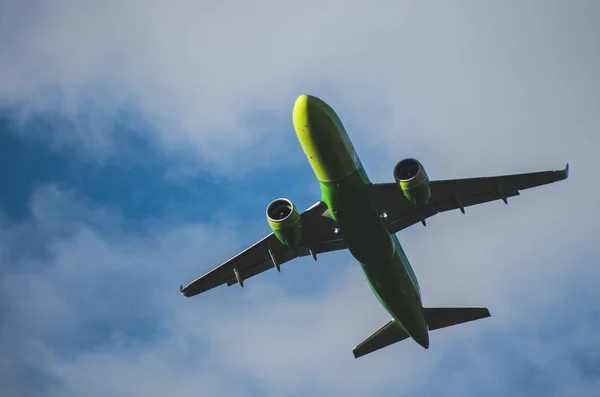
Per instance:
{"type": "Point", "coordinates": [183, 292]}
{"type": "Point", "coordinates": [564, 173]}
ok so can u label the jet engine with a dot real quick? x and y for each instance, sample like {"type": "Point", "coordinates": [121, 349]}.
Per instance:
{"type": "Point", "coordinates": [285, 221]}
{"type": "Point", "coordinates": [413, 180]}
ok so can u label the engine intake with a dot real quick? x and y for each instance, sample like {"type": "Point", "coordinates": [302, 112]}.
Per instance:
{"type": "Point", "coordinates": [413, 180]}
{"type": "Point", "coordinates": [285, 221]}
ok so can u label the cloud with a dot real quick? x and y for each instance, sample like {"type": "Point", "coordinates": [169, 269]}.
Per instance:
{"type": "Point", "coordinates": [90, 306]}
{"type": "Point", "coordinates": [100, 313]}
{"type": "Point", "coordinates": [418, 78]}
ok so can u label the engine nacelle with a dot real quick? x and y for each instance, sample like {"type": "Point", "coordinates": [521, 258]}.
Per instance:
{"type": "Point", "coordinates": [413, 180]}
{"type": "Point", "coordinates": [285, 221]}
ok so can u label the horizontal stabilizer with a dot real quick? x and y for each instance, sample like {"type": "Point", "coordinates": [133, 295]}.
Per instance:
{"type": "Point", "coordinates": [441, 317]}
{"type": "Point", "coordinates": [390, 333]}
{"type": "Point", "coordinates": [435, 317]}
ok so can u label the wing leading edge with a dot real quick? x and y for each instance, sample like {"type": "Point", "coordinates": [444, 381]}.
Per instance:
{"type": "Point", "coordinates": [452, 194]}
{"type": "Point", "coordinates": [319, 236]}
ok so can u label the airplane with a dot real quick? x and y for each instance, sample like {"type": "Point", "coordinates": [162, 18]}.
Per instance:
{"type": "Point", "coordinates": [364, 217]}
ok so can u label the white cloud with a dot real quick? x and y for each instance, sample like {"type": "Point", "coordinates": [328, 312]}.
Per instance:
{"type": "Point", "coordinates": [101, 313]}
{"type": "Point", "coordinates": [434, 81]}
{"type": "Point", "coordinates": [471, 90]}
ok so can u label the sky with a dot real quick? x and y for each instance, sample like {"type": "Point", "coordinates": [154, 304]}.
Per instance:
{"type": "Point", "coordinates": [141, 141]}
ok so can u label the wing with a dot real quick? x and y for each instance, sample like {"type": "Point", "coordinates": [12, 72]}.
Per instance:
{"type": "Point", "coordinates": [319, 236]}
{"type": "Point", "coordinates": [456, 194]}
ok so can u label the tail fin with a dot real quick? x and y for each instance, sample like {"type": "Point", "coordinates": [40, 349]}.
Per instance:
{"type": "Point", "coordinates": [435, 317]}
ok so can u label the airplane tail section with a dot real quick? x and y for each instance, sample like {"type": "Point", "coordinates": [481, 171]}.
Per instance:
{"type": "Point", "coordinates": [435, 317]}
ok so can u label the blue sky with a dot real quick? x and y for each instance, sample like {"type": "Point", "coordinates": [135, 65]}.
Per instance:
{"type": "Point", "coordinates": [139, 149]}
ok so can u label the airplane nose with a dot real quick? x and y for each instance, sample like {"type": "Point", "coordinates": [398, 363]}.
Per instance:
{"type": "Point", "coordinates": [306, 99]}
{"type": "Point", "coordinates": [307, 106]}
{"type": "Point", "coordinates": [323, 139]}
{"type": "Point", "coordinates": [312, 116]}
{"type": "Point", "coordinates": [300, 112]}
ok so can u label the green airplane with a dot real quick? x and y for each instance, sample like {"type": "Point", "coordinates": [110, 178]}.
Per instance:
{"type": "Point", "coordinates": [363, 217]}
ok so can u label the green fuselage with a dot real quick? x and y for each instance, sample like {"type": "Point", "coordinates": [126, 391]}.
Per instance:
{"type": "Point", "coordinates": [346, 191]}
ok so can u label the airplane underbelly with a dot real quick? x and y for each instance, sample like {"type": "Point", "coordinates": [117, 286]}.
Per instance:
{"type": "Point", "coordinates": [392, 284]}
{"type": "Point", "coordinates": [344, 187]}
{"type": "Point", "coordinates": [398, 294]}
{"type": "Point", "coordinates": [366, 236]}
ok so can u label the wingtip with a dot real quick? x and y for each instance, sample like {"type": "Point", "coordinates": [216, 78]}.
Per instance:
{"type": "Point", "coordinates": [564, 173]}
{"type": "Point", "coordinates": [183, 291]}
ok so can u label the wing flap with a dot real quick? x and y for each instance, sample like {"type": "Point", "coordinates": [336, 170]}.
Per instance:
{"type": "Point", "coordinates": [286, 256]}
{"type": "Point", "coordinates": [264, 265]}
{"type": "Point", "coordinates": [469, 200]}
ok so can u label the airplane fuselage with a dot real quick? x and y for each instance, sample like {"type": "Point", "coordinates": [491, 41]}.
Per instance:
{"type": "Point", "coordinates": [345, 189]}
